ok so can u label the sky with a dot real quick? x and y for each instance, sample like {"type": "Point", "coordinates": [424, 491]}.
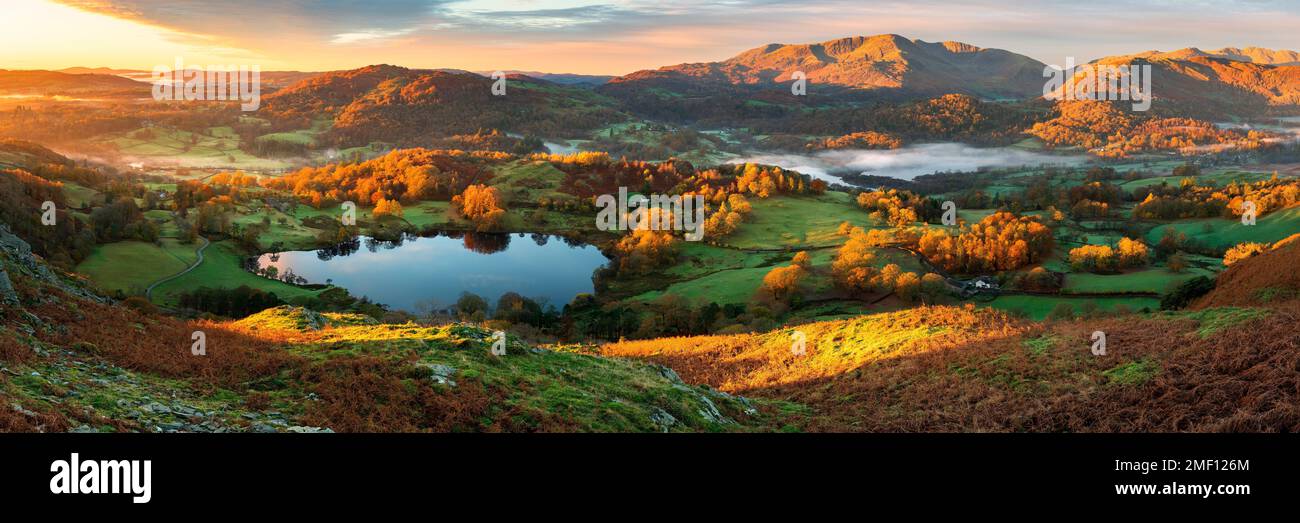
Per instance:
{"type": "Point", "coordinates": [598, 36]}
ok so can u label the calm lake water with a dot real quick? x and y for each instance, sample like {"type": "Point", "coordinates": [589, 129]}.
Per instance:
{"type": "Point", "coordinates": [419, 270]}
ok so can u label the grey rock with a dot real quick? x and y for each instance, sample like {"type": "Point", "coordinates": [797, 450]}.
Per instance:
{"type": "Point", "coordinates": [662, 419]}
{"type": "Point", "coordinates": [441, 374]}
{"type": "Point", "coordinates": [711, 412]}
{"type": "Point", "coordinates": [20, 253]}
{"type": "Point", "coordinates": [182, 410]}
{"type": "Point", "coordinates": [750, 410]}
{"type": "Point", "coordinates": [8, 296]}
{"type": "Point", "coordinates": [669, 374]}
{"type": "Point", "coordinates": [310, 430]}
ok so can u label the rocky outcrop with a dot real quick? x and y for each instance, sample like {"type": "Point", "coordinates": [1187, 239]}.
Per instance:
{"type": "Point", "coordinates": [16, 257]}
{"type": "Point", "coordinates": [8, 296]}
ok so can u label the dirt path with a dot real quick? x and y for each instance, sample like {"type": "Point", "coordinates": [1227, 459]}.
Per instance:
{"type": "Point", "coordinates": [148, 293]}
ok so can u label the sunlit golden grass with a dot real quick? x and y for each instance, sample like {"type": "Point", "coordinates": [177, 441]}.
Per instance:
{"type": "Point", "coordinates": [939, 369]}
{"type": "Point", "coordinates": [301, 326]}
{"type": "Point", "coordinates": [747, 362]}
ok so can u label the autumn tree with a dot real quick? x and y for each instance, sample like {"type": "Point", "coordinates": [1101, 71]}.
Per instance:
{"type": "Point", "coordinates": [1132, 253]}
{"type": "Point", "coordinates": [1094, 258]}
{"type": "Point", "coordinates": [853, 267]}
{"type": "Point", "coordinates": [642, 250]}
{"type": "Point", "coordinates": [1177, 262]}
{"type": "Point", "coordinates": [933, 286]}
{"type": "Point", "coordinates": [385, 207]}
{"type": "Point", "coordinates": [478, 200]}
{"type": "Point", "coordinates": [908, 286]}
{"type": "Point", "coordinates": [783, 282]}
{"type": "Point", "coordinates": [483, 205]}
{"type": "Point", "coordinates": [1001, 241]}
{"type": "Point", "coordinates": [801, 259]}
{"type": "Point", "coordinates": [1242, 251]}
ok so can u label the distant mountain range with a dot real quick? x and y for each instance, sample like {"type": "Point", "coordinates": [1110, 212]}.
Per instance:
{"type": "Point", "coordinates": [587, 80]}
{"type": "Point", "coordinates": [401, 105]}
{"type": "Point", "coordinates": [882, 65]}
{"type": "Point", "coordinates": [271, 79]}
{"type": "Point", "coordinates": [1231, 81]}
{"type": "Point", "coordinates": [1254, 55]}
{"type": "Point", "coordinates": [54, 82]}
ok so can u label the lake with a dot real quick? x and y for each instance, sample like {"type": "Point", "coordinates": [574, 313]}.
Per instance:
{"type": "Point", "coordinates": [410, 274]}
{"type": "Point", "coordinates": [909, 162]}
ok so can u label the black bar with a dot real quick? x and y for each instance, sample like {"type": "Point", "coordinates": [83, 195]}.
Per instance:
{"type": "Point", "coordinates": [194, 470]}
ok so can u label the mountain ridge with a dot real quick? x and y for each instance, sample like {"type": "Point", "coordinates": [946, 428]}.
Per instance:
{"type": "Point", "coordinates": [887, 62]}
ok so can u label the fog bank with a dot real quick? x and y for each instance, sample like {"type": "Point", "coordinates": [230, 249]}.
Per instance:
{"type": "Point", "coordinates": [908, 162]}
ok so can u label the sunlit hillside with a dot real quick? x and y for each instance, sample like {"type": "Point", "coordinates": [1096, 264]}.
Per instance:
{"type": "Point", "coordinates": [953, 369]}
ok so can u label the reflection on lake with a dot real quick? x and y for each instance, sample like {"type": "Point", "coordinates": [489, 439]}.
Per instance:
{"type": "Point", "coordinates": [416, 271]}
{"type": "Point", "coordinates": [911, 161]}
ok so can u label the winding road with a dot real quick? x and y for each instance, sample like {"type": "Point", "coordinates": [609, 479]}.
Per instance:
{"type": "Point", "coordinates": [148, 293]}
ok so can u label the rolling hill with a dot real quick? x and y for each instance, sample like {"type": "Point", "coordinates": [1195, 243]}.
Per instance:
{"type": "Point", "coordinates": [584, 80]}
{"type": "Point", "coordinates": [417, 106]}
{"type": "Point", "coordinates": [289, 369]}
{"type": "Point", "coordinates": [1190, 82]}
{"type": "Point", "coordinates": [413, 107]}
{"type": "Point", "coordinates": [1255, 55]}
{"type": "Point", "coordinates": [37, 82]}
{"type": "Point", "coordinates": [883, 65]}
{"type": "Point", "coordinates": [952, 369]}
{"type": "Point", "coordinates": [1264, 278]}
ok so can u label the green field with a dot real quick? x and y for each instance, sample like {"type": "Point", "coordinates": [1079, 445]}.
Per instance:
{"type": "Point", "coordinates": [1218, 179]}
{"type": "Point", "coordinates": [305, 137]}
{"type": "Point", "coordinates": [1220, 233]}
{"type": "Point", "coordinates": [218, 147]}
{"type": "Point", "coordinates": [1158, 280]}
{"type": "Point", "coordinates": [974, 215]}
{"type": "Point", "coordinates": [728, 286]}
{"type": "Point", "coordinates": [78, 196]}
{"type": "Point", "coordinates": [131, 266]}
{"type": "Point", "coordinates": [1037, 307]}
{"type": "Point", "coordinates": [713, 274]}
{"type": "Point", "coordinates": [526, 182]}
{"type": "Point", "coordinates": [301, 137]}
{"type": "Point", "coordinates": [797, 222]}
{"type": "Point", "coordinates": [222, 268]}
